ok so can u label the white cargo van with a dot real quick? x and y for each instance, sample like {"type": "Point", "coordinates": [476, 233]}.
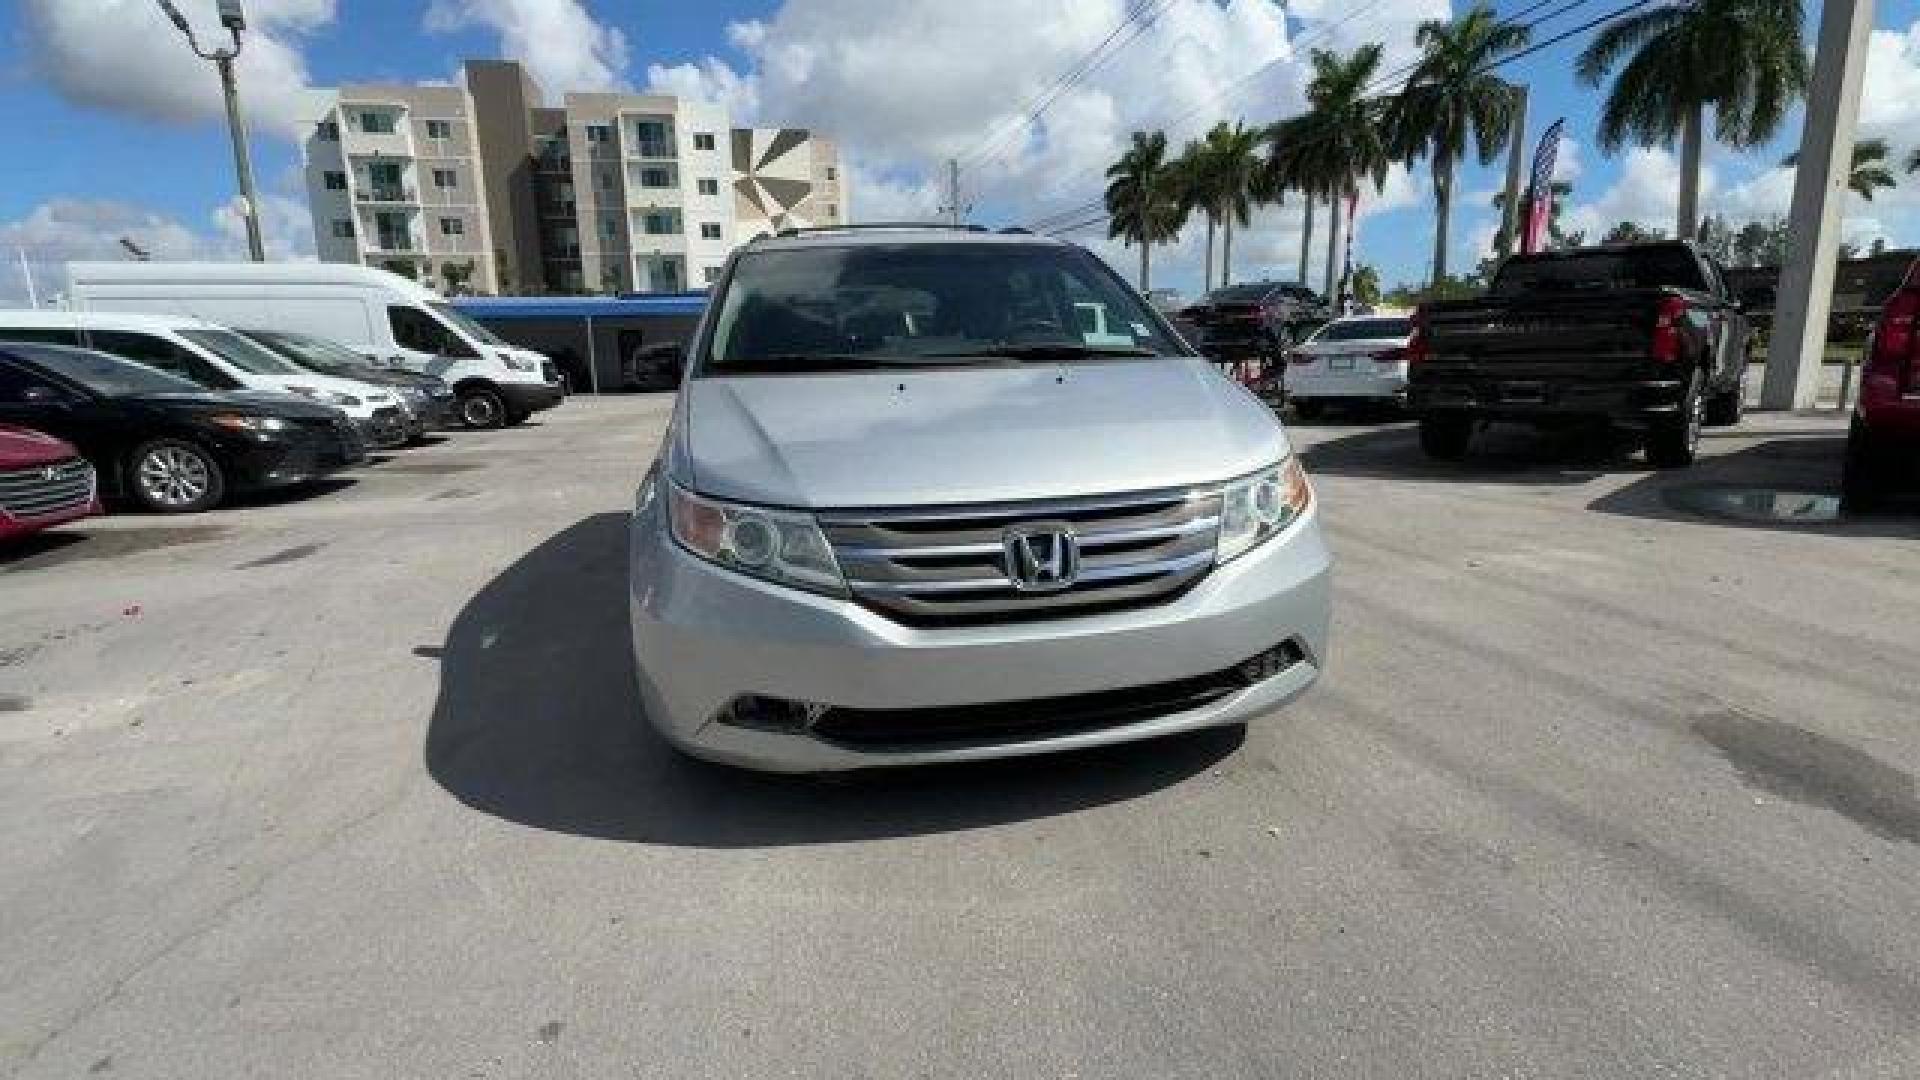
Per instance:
{"type": "Point", "coordinates": [398, 322]}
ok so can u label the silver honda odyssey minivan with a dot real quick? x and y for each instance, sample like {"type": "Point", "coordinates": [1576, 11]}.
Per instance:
{"type": "Point", "coordinates": [942, 495]}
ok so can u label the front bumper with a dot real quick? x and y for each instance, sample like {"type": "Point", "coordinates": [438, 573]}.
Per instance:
{"type": "Point", "coordinates": [530, 397]}
{"type": "Point", "coordinates": [704, 637]}
{"type": "Point", "coordinates": [295, 456]}
{"type": "Point", "coordinates": [386, 429]}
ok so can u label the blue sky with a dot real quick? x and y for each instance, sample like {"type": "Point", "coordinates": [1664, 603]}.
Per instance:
{"type": "Point", "coordinates": [904, 83]}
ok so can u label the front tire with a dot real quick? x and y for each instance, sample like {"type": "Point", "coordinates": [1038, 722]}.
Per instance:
{"type": "Point", "coordinates": [1729, 407]}
{"type": "Point", "coordinates": [482, 408]}
{"type": "Point", "coordinates": [174, 476]}
{"type": "Point", "coordinates": [1673, 442]}
{"type": "Point", "coordinates": [1446, 437]}
{"type": "Point", "coordinates": [1863, 489]}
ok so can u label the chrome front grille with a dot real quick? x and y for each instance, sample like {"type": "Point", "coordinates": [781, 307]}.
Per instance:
{"type": "Point", "coordinates": [32, 492]}
{"type": "Point", "coordinates": [948, 566]}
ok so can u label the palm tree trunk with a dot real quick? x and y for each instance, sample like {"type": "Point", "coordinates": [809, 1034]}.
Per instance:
{"type": "Point", "coordinates": [1306, 238]}
{"type": "Point", "coordinates": [1333, 247]}
{"type": "Point", "coordinates": [1145, 282]}
{"type": "Point", "coordinates": [1688, 225]}
{"type": "Point", "coordinates": [1208, 274]}
{"type": "Point", "coordinates": [1226, 251]}
{"type": "Point", "coordinates": [1443, 211]}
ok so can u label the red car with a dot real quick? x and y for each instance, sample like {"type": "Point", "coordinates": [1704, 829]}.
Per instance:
{"type": "Point", "coordinates": [1883, 447]}
{"type": "Point", "coordinates": [43, 482]}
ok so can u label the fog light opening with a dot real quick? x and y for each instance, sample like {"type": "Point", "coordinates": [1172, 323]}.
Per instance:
{"type": "Point", "coordinates": [760, 713]}
{"type": "Point", "coordinates": [1271, 662]}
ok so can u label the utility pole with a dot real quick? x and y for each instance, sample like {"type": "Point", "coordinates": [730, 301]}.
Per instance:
{"type": "Point", "coordinates": [26, 271]}
{"type": "Point", "coordinates": [953, 193]}
{"type": "Point", "coordinates": [1513, 214]}
{"type": "Point", "coordinates": [1799, 343]}
{"type": "Point", "coordinates": [234, 20]}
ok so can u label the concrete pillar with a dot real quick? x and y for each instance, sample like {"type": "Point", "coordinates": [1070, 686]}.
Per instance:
{"type": "Point", "coordinates": [1516, 210]}
{"type": "Point", "coordinates": [1819, 195]}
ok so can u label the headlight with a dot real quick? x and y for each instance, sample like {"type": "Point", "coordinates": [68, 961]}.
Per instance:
{"type": "Point", "coordinates": [777, 545]}
{"type": "Point", "coordinates": [517, 363]}
{"type": "Point", "coordinates": [328, 396]}
{"type": "Point", "coordinates": [1255, 509]}
{"type": "Point", "coordinates": [247, 422]}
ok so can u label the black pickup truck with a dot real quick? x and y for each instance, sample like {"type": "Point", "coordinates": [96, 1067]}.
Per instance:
{"type": "Point", "coordinates": [1642, 336]}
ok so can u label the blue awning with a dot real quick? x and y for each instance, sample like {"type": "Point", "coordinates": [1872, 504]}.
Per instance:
{"type": "Point", "coordinates": [635, 306]}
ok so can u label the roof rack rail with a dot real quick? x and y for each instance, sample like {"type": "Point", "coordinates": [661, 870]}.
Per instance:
{"type": "Point", "coordinates": [1016, 230]}
{"type": "Point", "coordinates": [880, 226]}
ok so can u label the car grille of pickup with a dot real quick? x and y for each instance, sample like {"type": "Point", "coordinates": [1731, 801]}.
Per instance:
{"type": "Point", "coordinates": [46, 489]}
{"type": "Point", "coordinates": [948, 566]}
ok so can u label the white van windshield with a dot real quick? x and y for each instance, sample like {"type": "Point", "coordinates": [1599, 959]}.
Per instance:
{"type": "Point", "coordinates": [467, 325]}
{"type": "Point", "coordinates": [241, 353]}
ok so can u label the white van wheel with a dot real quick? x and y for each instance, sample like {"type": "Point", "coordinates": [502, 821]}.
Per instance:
{"type": "Point", "coordinates": [482, 408]}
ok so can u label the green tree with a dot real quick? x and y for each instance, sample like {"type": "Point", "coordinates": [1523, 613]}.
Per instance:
{"type": "Point", "coordinates": [458, 277]}
{"type": "Point", "coordinates": [1143, 198]}
{"type": "Point", "coordinates": [1221, 177]}
{"type": "Point", "coordinates": [1744, 59]}
{"type": "Point", "coordinates": [1867, 172]}
{"type": "Point", "coordinates": [1632, 232]}
{"type": "Point", "coordinates": [1366, 285]}
{"type": "Point", "coordinates": [1336, 144]}
{"type": "Point", "coordinates": [1716, 238]}
{"type": "Point", "coordinates": [1451, 99]}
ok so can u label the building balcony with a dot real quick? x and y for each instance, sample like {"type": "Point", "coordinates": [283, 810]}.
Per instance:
{"type": "Point", "coordinates": [392, 245]}
{"type": "Point", "coordinates": [385, 194]}
{"type": "Point", "coordinates": [653, 151]}
{"type": "Point", "coordinates": [665, 198]}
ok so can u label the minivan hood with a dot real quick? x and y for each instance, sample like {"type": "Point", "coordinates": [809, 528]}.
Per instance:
{"type": "Point", "coordinates": [969, 435]}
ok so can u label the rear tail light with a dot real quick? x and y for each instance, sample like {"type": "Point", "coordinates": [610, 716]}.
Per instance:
{"type": "Point", "coordinates": [1419, 348]}
{"type": "Point", "coordinates": [1894, 366]}
{"type": "Point", "coordinates": [1391, 356]}
{"type": "Point", "coordinates": [1668, 318]}
{"type": "Point", "coordinates": [1298, 357]}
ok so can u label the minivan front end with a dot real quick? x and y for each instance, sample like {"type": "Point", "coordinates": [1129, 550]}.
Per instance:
{"type": "Point", "coordinates": [907, 637]}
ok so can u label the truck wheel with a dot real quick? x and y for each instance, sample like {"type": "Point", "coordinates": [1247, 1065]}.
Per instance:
{"type": "Point", "coordinates": [1445, 437]}
{"type": "Point", "coordinates": [1862, 489]}
{"type": "Point", "coordinates": [482, 408]}
{"type": "Point", "coordinates": [174, 476]}
{"type": "Point", "coordinates": [1729, 407]}
{"type": "Point", "coordinates": [1673, 442]}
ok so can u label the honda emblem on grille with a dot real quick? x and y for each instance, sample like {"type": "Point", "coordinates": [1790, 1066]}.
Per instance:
{"type": "Point", "coordinates": [1042, 556]}
{"type": "Point", "coordinates": [51, 472]}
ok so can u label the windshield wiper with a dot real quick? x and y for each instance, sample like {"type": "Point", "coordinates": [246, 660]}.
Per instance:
{"type": "Point", "coordinates": [1055, 351]}
{"type": "Point", "coordinates": [778, 362]}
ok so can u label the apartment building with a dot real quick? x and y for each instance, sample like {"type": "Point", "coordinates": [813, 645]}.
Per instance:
{"type": "Point", "coordinates": [603, 193]}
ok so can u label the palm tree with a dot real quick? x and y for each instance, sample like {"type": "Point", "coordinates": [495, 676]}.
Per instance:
{"type": "Point", "coordinates": [1743, 58]}
{"type": "Point", "coordinates": [1221, 178]}
{"type": "Point", "coordinates": [1336, 143]}
{"type": "Point", "coordinates": [1285, 171]}
{"type": "Point", "coordinates": [1143, 198]}
{"type": "Point", "coordinates": [1868, 171]}
{"type": "Point", "coordinates": [1451, 97]}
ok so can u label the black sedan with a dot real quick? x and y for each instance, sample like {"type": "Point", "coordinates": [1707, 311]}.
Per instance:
{"type": "Point", "coordinates": [428, 401]}
{"type": "Point", "coordinates": [168, 444]}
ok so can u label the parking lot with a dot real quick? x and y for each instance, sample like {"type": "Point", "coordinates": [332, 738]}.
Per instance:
{"type": "Point", "coordinates": [1612, 775]}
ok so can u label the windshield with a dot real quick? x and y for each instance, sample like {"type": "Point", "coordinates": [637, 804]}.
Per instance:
{"type": "Point", "coordinates": [847, 306]}
{"type": "Point", "coordinates": [1241, 294]}
{"type": "Point", "coordinates": [308, 349]}
{"type": "Point", "coordinates": [466, 324]}
{"type": "Point", "coordinates": [241, 353]}
{"type": "Point", "coordinates": [1365, 330]}
{"type": "Point", "coordinates": [105, 374]}
{"type": "Point", "coordinates": [1596, 271]}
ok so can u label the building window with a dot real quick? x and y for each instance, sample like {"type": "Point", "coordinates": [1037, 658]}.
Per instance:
{"type": "Point", "coordinates": [599, 133]}
{"type": "Point", "coordinates": [831, 175]}
{"type": "Point", "coordinates": [659, 224]}
{"type": "Point", "coordinates": [607, 181]}
{"type": "Point", "coordinates": [833, 212]}
{"type": "Point", "coordinates": [445, 178]}
{"type": "Point", "coordinates": [654, 137]}
{"type": "Point", "coordinates": [703, 140]}
{"type": "Point", "coordinates": [711, 274]}
{"type": "Point", "coordinates": [342, 229]}
{"type": "Point", "coordinates": [709, 230]}
{"type": "Point", "coordinates": [439, 129]}
{"type": "Point", "coordinates": [452, 226]}
{"type": "Point", "coordinates": [709, 186]}
{"type": "Point", "coordinates": [328, 131]}
{"type": "Point", "coordinates": [611, 226]}
{"type": "Point", "coordinates": [376, 123]}
{"type": "Point", "coordinates": [335, 181]}
{"type": "Point", "coordinates": [655, 178]}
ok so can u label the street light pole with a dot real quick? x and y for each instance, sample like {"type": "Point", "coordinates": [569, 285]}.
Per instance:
{"type": "Point", "coordinates": [234, 20]}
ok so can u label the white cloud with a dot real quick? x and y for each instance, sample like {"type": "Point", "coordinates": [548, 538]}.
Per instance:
{"type": "Point", "coordinates": [1646, 191]}
{"type": "Point", "coordinates": [124, 56]}
{"type": "Point", "coordinates": [564, 47]}
{"type": "Point", "coordinates": [66, 229]}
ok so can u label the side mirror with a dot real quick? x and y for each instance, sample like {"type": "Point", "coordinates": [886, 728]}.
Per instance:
{"type": "Point", "coordinates": [1758, 298]}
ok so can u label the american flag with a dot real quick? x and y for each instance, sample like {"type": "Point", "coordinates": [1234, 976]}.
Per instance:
{"type": "Point", "coordinates": [1540, 188]}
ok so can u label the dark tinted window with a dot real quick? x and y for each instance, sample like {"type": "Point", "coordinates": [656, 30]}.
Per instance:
{"type": "Point", "coordinates": [1365, 330]}
{"type": "Point", "coordinates": [1598, 271]}
{"type": "Point", "coordinates": [46, 335]}
{"type": "Point", "coordinates": [111, 375]}
{"type": "Point", "coordinates": [415, 329]}
{"type": "Point", "coordinates": [163, 355]}
{"type": "Point", "coordinates": [1242, 294]}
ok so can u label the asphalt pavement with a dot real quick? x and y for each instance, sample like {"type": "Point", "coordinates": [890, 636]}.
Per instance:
{"type": "Point", "coordinates": [1612, 775]}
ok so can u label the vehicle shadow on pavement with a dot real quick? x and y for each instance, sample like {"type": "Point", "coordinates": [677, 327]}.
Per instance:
{"type": "Point", "coordinates": [1790, 482]}
{"type": "Point", "coordinates": [538, 721]}
{"type": "Point", "coordinates": [1504, 454]}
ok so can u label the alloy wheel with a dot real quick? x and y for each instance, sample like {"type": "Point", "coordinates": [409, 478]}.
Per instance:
{"type": "Point", "coordinates": [174, 476]}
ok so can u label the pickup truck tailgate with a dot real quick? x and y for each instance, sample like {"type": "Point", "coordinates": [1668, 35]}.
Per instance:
{"type": "Point", "coordinates": [1561, 337]}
